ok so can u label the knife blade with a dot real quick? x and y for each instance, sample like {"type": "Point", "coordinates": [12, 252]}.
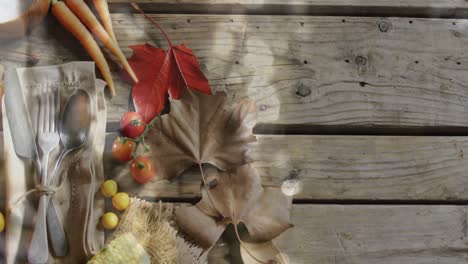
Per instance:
{"type": "Point", "coordinates": [19, 121]}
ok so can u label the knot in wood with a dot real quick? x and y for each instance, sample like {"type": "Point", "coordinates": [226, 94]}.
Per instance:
{"type": "Point", "coordinates": [293, 175]}
{"type": "Point", "coordinates": [302, 90]}
{"type": "Point", "coordinates": [384, 26]}
{"type": "Point", "coordinates": [360, 60]}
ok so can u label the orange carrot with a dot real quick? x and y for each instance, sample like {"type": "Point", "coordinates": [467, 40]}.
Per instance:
{"type": "Point", "coordinates": [85, 14]}
{"type": "Point", "coordinates": [103, 9]}
{"type": "Point", "coordinates": [71, 23]}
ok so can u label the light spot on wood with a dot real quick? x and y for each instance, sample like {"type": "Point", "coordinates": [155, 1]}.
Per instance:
{"type": "Point", "coordinates": [291, 187]}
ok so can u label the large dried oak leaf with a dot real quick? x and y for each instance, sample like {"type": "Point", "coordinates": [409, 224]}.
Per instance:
{"type": "Point", "coordinates": [201, 129]}
{"type": "Point", "coordinates": [236, 196]}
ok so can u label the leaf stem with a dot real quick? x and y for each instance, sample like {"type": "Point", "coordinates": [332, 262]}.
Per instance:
{"type": "Point", "coordinates": [207, 188]}
{"type": "Point", "coordinates": [137, 8]}
{"type": "Point", "coordinates": [246, 248]}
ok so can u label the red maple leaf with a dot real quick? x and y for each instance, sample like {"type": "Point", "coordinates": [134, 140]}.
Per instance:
{"type": "Point", "coordinates": [160, 72]}
{"type": "Point", "coordinates": [149, 100]}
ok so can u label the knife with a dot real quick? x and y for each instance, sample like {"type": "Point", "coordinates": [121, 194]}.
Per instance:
{"type": "Point", "coordinates": [24, 143]}
{"type": "Point", "coordinates": [21, 129]}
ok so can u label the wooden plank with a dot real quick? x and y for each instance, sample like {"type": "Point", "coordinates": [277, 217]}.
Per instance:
{"type": "Point", "coordinates": [330, 71]}
{"type": "Point", "coordinates": [425, 8]}
{"type": "Point", "coordinates": [376, 234]}
{"type": "Point", "coordinates": [390, 234]}
{"type": "Point", "coordinates": [367, 168]}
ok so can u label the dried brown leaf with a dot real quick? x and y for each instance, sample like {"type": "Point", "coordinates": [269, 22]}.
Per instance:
{"type": "Point", "coordinates": [264, 251]}
{"type": "Point", "coordinates": [237, 197]}
{"type": "Point", "coordinates": [201, 129]}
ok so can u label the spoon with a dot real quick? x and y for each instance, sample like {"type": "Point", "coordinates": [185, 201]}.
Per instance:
{"type": "Point", "coordinates": [74, 129]}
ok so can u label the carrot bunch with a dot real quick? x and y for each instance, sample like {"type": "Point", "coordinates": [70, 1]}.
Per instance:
{"type": "Point", "coordinates": [78, 19]}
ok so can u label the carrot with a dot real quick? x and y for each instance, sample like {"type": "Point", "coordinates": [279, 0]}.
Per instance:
{"type": "Point", "coordinates": [103, 10]}
{"type": "Point", "coordinates": [71, 23]}
{"type": "Point", "coordinates": [85, 14]}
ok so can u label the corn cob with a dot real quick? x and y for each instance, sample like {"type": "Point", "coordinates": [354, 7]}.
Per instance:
{"type": "Point", "coordinates": [124, 249]}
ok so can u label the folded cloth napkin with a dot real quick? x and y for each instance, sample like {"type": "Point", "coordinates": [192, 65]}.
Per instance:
{"type": "Point", "coordinates": [81, 173]}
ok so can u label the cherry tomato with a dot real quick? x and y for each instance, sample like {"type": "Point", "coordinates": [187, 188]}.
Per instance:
{"type": "Point", "coordinates": [142, 169]}
{"type": "Point", "coordinates": [122, 149]}
{"type": "Point", "coordinates": [132, 125]}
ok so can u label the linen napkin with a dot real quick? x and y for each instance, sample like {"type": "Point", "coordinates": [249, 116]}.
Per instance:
{"type": "Point", "coordinates": [81, 173]}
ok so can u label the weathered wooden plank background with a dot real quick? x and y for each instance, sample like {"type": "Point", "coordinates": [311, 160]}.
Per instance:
{"type": "Point", "coordinates": [340, 168]}
{"type": "Point", "coordinates": [322, 72]}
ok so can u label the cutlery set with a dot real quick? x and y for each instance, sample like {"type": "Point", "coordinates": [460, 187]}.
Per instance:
{"type": "Point", "coordinates": [70, 129]}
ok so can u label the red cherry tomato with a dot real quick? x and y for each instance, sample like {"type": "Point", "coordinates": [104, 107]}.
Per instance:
{"type": "Point", "coordinates": [132, 125]}
{"type": "Point", "coordinates": [122, 149]}
{"type": "Point", "coordinates": [142, 169]}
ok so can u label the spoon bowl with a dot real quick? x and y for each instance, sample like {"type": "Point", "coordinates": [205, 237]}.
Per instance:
{"type": "Point", "coordinates": [75, 124]}
{"type": "Point", "coordinates": [76, 120]}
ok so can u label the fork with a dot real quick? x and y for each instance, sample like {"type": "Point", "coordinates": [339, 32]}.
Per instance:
{"type": "Point", "coordinates": [47, 140]}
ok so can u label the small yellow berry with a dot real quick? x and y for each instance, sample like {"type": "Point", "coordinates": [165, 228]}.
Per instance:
{"type": "Point", "coordinates": [109, 188]}
{"type": "Point", "coordinates": [120, 201]}
{"type": "Point", "coordinates": [2, 222]}
{"type": "Point", "coordinates": [109, 220]}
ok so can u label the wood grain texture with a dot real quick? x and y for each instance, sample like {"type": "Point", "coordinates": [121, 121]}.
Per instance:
{"type": "Point", "coordinates": [431, 8]}
{"type": "Point", "coordinates": [337, 168]}
{"type": "Point", "coordinates": [345, 71]}
{"type": "Point", "coordinates": [376, 234]}
{"type": "Point", "coordinates": [365, 234]}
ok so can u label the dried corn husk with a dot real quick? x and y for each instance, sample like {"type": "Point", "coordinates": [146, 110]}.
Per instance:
{"type": "Point", "coordinates": [150, 223]}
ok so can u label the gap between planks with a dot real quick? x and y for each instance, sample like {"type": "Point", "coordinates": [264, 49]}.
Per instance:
{"type": "Point", "coordinates": [194, 200]}
{"type": "Point", "coordinates": [333, 130]}
{"type": "Point", "coordinates": [386, 8]}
